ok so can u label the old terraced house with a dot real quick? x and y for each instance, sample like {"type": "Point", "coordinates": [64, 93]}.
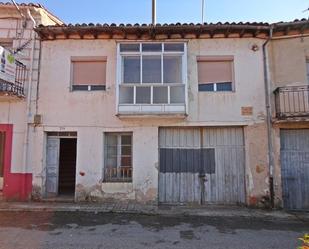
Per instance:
{"type": "Point", "coordinates": [173, 113]}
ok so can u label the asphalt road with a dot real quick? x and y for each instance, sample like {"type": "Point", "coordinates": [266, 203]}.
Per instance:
{"type": "Point", "coordinates": [90, 230]}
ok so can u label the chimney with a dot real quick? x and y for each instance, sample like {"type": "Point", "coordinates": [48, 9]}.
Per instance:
{"type": "Point", "coordinates": [154, 12]}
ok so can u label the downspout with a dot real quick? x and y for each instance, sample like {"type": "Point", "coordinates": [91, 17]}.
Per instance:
{"type": "Point", "coordinates": [269, 116]}
{"type": "Point", "coordinates": [29, 95]}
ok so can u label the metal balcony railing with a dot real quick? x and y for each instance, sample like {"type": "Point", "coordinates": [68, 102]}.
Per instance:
{"type": "Point", "coordinates": [122, 174]}
{"type": "Point", "coordinates": [16, 88]}
{"type": "Point", "coordinates": [292, 101]}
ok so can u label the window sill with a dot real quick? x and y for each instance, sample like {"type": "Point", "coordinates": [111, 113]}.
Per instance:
{"type": "Point", "coordinates": [152, 109]}
{"type": "Point", "coordinates": [87, 88]}
{"type": "Point", "coordinates": [216, 91]}
{"type": "Point", "coordinates": [117, 187]}
{"type": "Point", "coordinates": [118, 181]}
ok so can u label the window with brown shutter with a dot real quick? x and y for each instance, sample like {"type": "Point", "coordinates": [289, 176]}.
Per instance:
{"type": "Point", "coordinates": [215, 74]}
{"type": "Point", "coordinates": [88, 75]}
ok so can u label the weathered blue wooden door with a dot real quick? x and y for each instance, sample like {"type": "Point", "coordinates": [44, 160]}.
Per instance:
{"type": "Point", "coordinates": [295, 168]}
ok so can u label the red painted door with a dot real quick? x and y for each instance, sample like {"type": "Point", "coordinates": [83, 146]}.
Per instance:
{"type": "Point", "coordinates": [16, 186]}
{"type": "Point", "coordinates": [2, 145]}
{"type": "Point", "coordinates": [6, 131]}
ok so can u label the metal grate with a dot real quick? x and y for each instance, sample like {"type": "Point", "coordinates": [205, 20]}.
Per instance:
{"type": "Point", "coordinates": [122, 174]}
{"type": "Point", "coordinates": [292, 101]}
{"type": "Point", "coordinates": [16, 88]}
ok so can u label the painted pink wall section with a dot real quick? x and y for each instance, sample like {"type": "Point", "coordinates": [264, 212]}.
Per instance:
{"type": "Point", "coordinates": [16, 186]}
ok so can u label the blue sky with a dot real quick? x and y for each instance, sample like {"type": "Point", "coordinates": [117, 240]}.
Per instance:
{"type": "Point", "coordinates": [171, 11]}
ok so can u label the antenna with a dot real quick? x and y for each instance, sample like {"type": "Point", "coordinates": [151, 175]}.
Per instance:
{"type": "Point", "coordinates": [154, 12]}
{"type": "Point", "coordinates": [203, 7]}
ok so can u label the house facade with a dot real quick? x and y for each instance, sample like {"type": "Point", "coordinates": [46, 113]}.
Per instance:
{"type": "Point", "coordinates": [17, 95]}
{"type": "Point", "coordinates": [165, 114]}
{"type": "Point", "coordinates": [174, 114]}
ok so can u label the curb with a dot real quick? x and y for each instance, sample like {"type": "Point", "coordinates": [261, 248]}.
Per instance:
{"type": "Point", "coordinates": [154, 211]}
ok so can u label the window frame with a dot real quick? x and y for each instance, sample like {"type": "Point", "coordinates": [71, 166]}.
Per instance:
{"type": "Point", "coordinates": [87, 88]}
{"type": "Point", "coordinates": [218, 58]}
{"type": "Point", "coordinates": [183, 67]}
{"type": "Point", "coordinates": [118, 157]}
{"type": "Point", "coordinates": [141, 53]}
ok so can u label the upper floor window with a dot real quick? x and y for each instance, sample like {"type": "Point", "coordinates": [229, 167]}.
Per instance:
{"type": "Point", "coordinates": [88, 74]}
{"type": "Point", "coordinates": [151, 63]}
{"type": "Point", "coordinates": [215, 74]}
{"type": "Point", "coordinates": [151, 73]}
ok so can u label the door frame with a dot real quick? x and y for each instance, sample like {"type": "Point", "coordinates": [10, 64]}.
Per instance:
{"type": "Point", "coordinates": [8, 129]}
{"type": "Point", "coordinates": [58, 135]}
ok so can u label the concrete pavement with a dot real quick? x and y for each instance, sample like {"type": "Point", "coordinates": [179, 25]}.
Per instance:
{"type": "Point", "coordinates": [136, 208]}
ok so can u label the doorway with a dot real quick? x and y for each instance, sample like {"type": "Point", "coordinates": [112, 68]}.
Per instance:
{"type": "Point", "coordinates": [201, 165]}
{"type": "Point", "coordinates": [61, 165]}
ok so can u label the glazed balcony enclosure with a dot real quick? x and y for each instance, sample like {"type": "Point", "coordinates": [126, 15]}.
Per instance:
{"type": "Point", "coordinates": [292, 102]}
{"type": "Point", "coordinates": [151, 79]}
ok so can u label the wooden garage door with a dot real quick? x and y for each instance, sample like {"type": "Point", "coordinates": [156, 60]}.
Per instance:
{"type": "Point", "coordinates": [295, 168]}
{"type": "Point", "coordinates": [201, 165]}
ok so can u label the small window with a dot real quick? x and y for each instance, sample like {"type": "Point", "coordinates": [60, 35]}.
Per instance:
{"type": "Point", "coordinates": [174, 47]}
{"type": "Point", "coordinates": [129, 47]}
{"type": "Point", "coordinates": [215, 75]}
{"type": "Point", "coordinates": [118, 157]}
{"type": "Point", "coordinates": [88, 75]}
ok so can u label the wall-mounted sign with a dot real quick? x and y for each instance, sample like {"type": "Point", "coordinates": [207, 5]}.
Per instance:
{"type": "Point", "coordinates": [7, 65]}
{"type": "Point", "coordinates": [246, 110]}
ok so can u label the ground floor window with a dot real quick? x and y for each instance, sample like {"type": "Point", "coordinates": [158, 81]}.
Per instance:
{"type": "Point", "coordinates": [118, 157]}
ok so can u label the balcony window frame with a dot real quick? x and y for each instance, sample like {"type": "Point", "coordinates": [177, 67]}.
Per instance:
{"type": "Point", "coordinates": [161, 53]}
{"type": "Point", "coordinates": [215, 84]}
{"type": "Point", "coordinates": [85, 87]}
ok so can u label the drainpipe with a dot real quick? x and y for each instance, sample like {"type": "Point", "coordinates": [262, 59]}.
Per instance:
{"type": "Point", "coordinates": [269, 116]}
{"type": "Point", "coordinates": [29, 94]}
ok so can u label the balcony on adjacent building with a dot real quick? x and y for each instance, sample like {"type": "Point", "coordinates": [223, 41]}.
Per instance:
{"type": "Point", "coordinates": [152, 79]}
{"type": "Point", "coordinates": [292, 102]}
{"type": "Point", "coordinates": [13, 88]}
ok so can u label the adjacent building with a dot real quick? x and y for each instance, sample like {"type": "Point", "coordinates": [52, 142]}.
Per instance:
{"type": "Point", "coordinates": [288, 75]}
{"type": "Point", "coordinates": [18, 94]}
